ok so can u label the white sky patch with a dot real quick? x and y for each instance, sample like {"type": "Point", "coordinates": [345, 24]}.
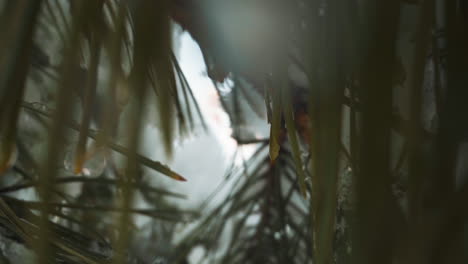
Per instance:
{"type": "Point", "coordinates": [192, 64]}
{"type": "Point", "coordinates": [204, 157]}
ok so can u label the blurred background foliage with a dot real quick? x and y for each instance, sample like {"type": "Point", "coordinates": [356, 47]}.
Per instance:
{"type": "Point", "coordinates": [364, 160]}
